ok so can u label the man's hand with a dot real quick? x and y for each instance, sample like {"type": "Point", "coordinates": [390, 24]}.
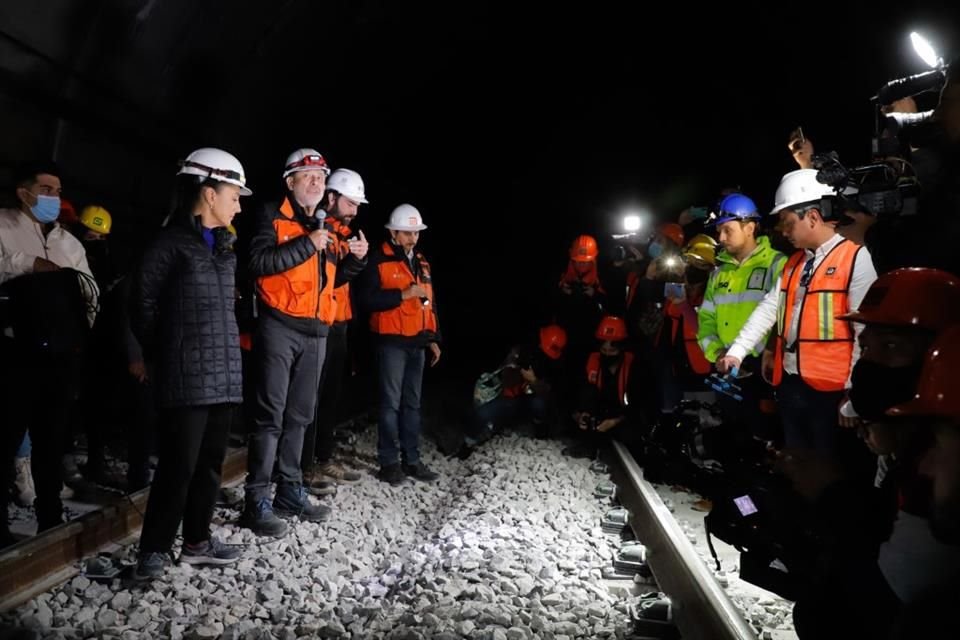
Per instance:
{"type": "Point", "coordinates": [566, 288]}
{"type": "Point", "coordinates": [727, 364]}
{"type": "Point", "coordinates": [320, 238]}
{"type": "Point", "coordinates": [588, 290]}
{"type": "Point", "coordinates": [766, 365]}
{"type": "Point", "coordinates": [434, 353]}
{"type": "Point", "coordinates": [138, 370]}
{"type": "Point", "coordinates": [846, 407]}
{"type": "Point", "coordinates": [608, 424]}
{"type": "Point", "coordinates": [903, 105]}
{"type": "Point", "coordinates": [528, 375]}
{"type": "Point", "coordinates": [42, 265]}
{"type": "Point", "coordinates": [413, 291]}
{"type": "Point", "coordinates": [358, 246]}
{"type": "Point", "coordinates": [581, 418]}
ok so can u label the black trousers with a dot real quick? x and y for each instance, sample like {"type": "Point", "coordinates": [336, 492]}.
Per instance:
{"type": "Point", "coordinates": [318, 441]}
{"type": "Point", "coordinates": [37, 392]}
{"type": "Point", "coordinates": [288, 365]}
{"type": "Point", "coordinates": [192, 445]}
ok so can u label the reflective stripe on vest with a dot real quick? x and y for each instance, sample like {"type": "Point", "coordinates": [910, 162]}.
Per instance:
{"type": "Point", "coordinates": [344, 309]}
{"type": "Point", "coordinates": [595, 377]}
{"type": "Point", "coordinates": [824, 344]}
{"type": "Point", "coordinates": [296, 292]}
{"type": "Point", "coordinates": [412, 316]}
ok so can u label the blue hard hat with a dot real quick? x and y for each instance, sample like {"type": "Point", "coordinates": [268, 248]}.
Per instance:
{"type": "Point", "coordinates": [735, 206]}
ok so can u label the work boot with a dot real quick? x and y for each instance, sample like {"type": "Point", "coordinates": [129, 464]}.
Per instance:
{"type": "Point", "coordinates": [393, 474]}
{"type": "Point", "coordinates": [150, 565]}
{"type": "Point", "coordinates": [318, 483]}
{"type": "Point", "coordinates": [26, 492]}
{"type": "Point", "coordinates": [211, 551]}
{"type": "Point", "coordinates": [293, 500]}
{"type": "Point", "coordinates": [337, 472]}
{"type": "Point", "coordinates": [420, 471]}
{"type": "Point", "coordinates": [259, 517]}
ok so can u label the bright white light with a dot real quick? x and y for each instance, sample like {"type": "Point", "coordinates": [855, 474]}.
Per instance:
{"type": "Point", "coordinates": [924, 49]}
{"type": "Point", "coordinates": [670, 262]}
{"type": "Point", "coordinates": [632, 223]}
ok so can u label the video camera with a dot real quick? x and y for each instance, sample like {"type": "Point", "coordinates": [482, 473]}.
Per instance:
{"type": "Point", "coordinates": [896, 133]}
{"type": "Point", "coordinates": [881, 188]}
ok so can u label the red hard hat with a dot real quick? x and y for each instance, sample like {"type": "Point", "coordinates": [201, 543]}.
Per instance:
{"type": "Point", "coordinates": [553, 339]}
{"type": "Point", "coordinates": [612, 328]}
{"type": "Point", "coordinates": [584, 249]}
{"type": "Point", "coordinates": [937, 394]}
{"type": "Point", "coordinates": [924, 298]}
{"type": "Point", "coordinates": [673, 232]}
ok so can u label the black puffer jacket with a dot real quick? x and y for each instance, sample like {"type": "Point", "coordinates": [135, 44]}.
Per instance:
{"type": "Point", "coordinates": [183, 314]}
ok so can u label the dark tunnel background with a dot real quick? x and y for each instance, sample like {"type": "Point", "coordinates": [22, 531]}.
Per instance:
{"type": "Point", "coordinates": [513, 127]}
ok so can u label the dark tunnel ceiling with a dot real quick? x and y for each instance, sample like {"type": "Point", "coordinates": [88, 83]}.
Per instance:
{"type": "Point", "coordinates": [433, 99]}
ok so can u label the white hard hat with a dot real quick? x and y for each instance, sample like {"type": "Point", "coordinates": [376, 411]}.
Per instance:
{"type": "Point", "coordinates": [405, 218]}
{"type": "Point", "coordinates": [305, 160]}
{"type": "Point", "coordinates": [215, 164]}
{"type": "Point", "coordinates": [798, 187]}
{"type": "Point", "coordinates": [349, 184]}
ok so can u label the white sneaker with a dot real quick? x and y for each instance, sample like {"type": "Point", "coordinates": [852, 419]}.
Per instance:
{"type": "Point", "coordinates": [26, 492]}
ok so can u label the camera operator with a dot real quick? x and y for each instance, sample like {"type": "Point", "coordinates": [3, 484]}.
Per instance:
{"type": "Point", "coordinates": [611, 399]}
{"type": "Point", "coordinates": [580, 298]}
{"type": "Point", "coordinates": [645, 297]}
{"type": "Point", "coordinates": [814, 352]}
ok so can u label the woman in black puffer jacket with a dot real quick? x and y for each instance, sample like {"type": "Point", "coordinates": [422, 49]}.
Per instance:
{"type": "Point", "coordinates": [183, 314]}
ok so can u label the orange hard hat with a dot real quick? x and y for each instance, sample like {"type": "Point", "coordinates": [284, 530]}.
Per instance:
{"type": "Point", "coordinates": [673, 232]}
{"type": "Point", "coordinates": [914, 297]}
{"type": "Point", "coordinates": [612, 328]}
{"type": "Point", "coordinates": [937, 392]}
{"type": "Point", "coordinates": [584, 249]}
{"type": "Point", "coordinates": [553, 339]}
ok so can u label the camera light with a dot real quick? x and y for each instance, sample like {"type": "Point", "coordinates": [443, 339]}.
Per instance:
{"type": "Point", "coordinates": [670, 262]}
{"type": "Point", "coordinates": [632, 223]}
{"type": "Point", "coordinates": [925, 50]}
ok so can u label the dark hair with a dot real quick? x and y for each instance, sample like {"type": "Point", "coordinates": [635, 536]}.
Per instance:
{"type": "Point", "coordinates": [26, 175]}
{"type": "Point", "coordinates": [186, 194]}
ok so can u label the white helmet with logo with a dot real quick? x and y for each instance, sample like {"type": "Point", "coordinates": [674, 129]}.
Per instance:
{"type": "Point", "coordinates": [215, 164]}
{"type": "Point", "coordinates": [798, 187]}
{"type": "Point", "coordinates": [305, 160]}
{"type": "Point", "coordinates": [349, 184]}
{"type": "Point", "coordinates": [405, 218]}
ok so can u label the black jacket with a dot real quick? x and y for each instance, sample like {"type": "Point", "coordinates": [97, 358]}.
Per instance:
{"type": "Point", "coordinates": [182, 312]}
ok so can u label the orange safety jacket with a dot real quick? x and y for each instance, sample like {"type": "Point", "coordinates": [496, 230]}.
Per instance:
{"type": "Point", "coordinates": [414, 315]}
{"type": "Point", "coordinates": [674, 314]}
{"type": "Point", "coordinates": [339, 233]}
{"type": "Point", "coordinates": [824, 344]}
{"type": "Point", "coordinates": [595, 376]}
{"type": "Point", "coordinates": [297, 291]}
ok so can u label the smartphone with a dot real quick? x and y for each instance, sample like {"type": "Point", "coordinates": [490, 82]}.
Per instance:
{"type": "Point", "coordinates": [674, 290]}
{"type": "Point", "coordinates": [745, 505]}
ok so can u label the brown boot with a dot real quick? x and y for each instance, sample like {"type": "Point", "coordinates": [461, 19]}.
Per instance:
{"type": "Point", "coordinates": [317, 483]}
{"type": "Point", "coordinates": [337, 472]}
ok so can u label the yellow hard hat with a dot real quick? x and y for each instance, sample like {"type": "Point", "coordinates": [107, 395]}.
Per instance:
{"type": "Point", "coordinates": [701, 251]}
{"type": "Point", "coordinates": [96, 218]}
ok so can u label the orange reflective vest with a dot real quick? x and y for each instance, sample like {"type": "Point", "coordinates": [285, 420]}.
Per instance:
{"type": "Point", "coordinates": [588, 278]}
{"type": "Point", "coordinates": [595, 375]}
{"type": "Point", "coordinates": [633, 280]}
{"type": "Point", "coordinates": [296, 292]}
{"type": "Point", "coordinates": [341, 295]}
{"type": "Point", "coordinates": [824, 344]}
{"type": "Point", "coordinates": [413, 316]}
{"type": "Point", "coordinates": [674, 314]}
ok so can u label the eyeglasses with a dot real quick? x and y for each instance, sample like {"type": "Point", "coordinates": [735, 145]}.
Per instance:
{"type": "Point", "coordinates": [310, 161]}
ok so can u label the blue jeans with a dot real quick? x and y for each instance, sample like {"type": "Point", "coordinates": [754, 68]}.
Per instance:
{"type": "Point", "coordinates": [24, 450]}
{"type": "Point", "coordinates": [401, 379]}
